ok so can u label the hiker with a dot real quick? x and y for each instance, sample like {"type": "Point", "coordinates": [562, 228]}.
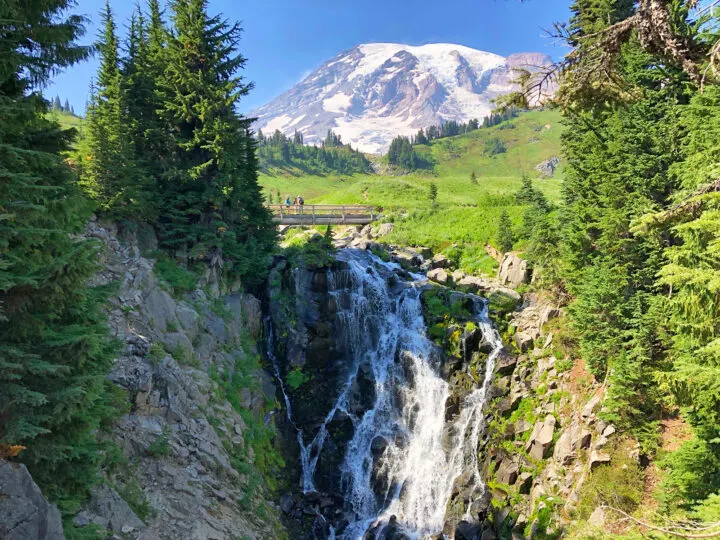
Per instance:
{"type": "Point", "coordinates": [287, 203]}
{"type": "Point", "coordinates": [300, 201]}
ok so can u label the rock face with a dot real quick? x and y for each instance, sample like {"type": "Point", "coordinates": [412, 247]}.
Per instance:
{"type": "Point", "coordinates": [513, 270]}
{"type": "Point", "coordinates": [541, 438]}
{"type": "Point", "coordinates": [374, 92]}
{"type": "Point", "coordinates": [180, 436]}
{"type": "Point", "coordinates": [547, 167]}
{"type": "Point", "coordinates": [24, 512]}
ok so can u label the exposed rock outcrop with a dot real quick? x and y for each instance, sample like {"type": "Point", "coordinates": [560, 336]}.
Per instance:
{"type": "Point", "coordinates": [24, 512]}
{"type": "Point", "coordinates": [181, 437]}
{"type": "Point", "coordinates": [513, 270]}
{"type": "Point", "coordinates": [547, 167]}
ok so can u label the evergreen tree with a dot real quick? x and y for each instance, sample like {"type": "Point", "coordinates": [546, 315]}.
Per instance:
{"type": "Point", "coordinates": [109, 176]}
{"type": "Point", "coordinates": [54, 345]}
{"type": "Point", "coordinates": [66, 107]}
{"type": "Point", "coordinates": [505, 235]}
{"type": "Point", "coordinates": [212, 207]}
{"type": "Point", "coordinates": [473, 178]}
{"type": "Point", "coordinates": [433, 193]}
{"type": "Point", "coordinates": [56, 104]}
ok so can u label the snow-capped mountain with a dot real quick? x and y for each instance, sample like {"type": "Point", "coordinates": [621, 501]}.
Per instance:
{"type": "Point", "coordinates": [377, 91]}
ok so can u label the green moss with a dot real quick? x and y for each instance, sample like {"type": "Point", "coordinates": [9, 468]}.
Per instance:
{"type": "Point", "coordinates": [296, 378]}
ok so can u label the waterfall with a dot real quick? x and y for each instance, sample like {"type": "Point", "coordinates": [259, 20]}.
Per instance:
{"type": "Point", "coordinates": [404, 457]}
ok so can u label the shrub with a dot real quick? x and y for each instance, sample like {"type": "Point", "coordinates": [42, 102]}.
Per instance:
{"type": "Point", "coordinates": [296, 378]}
{"type": "Point", "coordinates": [618, 484]}
{"type": "Point", "coordinates": [180, 279]}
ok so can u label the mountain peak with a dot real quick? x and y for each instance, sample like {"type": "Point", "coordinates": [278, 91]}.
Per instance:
{"type": "Point", "coordinates": [376, 91]}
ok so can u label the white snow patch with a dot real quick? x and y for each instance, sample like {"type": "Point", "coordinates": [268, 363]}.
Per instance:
{"type": "Point", "coordinates": [279, 122]}
{"type": "Point", "coordinates": [338, 103]}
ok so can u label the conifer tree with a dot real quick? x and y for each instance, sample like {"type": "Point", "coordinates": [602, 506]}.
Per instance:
{"type": "Point", "coordinates": [109, 176]}
{"type": "Point", "coordinates": [56, 104]}
{"type": "Point", "coordinates": [54, 346]}
{"type": "Point", "coordinates": [212, 206]}
{"type": "Point", "coordinates": [473, 178]}
{"type": "Point", "coordinates": [66, 107]}
{"type": "Point", "coordinates": [505, 236]}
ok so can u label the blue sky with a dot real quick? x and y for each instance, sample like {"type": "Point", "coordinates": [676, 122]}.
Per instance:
{"type": "Point", "coordinates": [286, 39]}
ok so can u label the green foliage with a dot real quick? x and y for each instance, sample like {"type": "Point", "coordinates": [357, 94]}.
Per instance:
{"type": "Point", "coordinates": [402, 154]}
{"type": "Point", "coordinates": [296, 378]}
{"type": "Point", "coordinates": [161, 445]}
{"type": "Point", "coordinates": [494, 147]}
{"type": "Point", "coordinates": [692, 474]}
{"type": "Point", "coordinates": [178, 278]}
{"type": "Point", "coordinates": [282, 154]}
{"type": "Point", "coordinates": [54, 344]}
{"type": "Point", "coordinates": [505, 236]}
{"type": "Point", "coordinates": [619, 484]}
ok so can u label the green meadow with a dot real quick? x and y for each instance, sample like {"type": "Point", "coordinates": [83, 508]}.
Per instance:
{"type": "Point", "coordinates": [465, 213]}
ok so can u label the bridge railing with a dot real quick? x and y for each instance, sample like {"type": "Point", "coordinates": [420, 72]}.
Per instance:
{"type": "Point", "coordinates": [312, 212]}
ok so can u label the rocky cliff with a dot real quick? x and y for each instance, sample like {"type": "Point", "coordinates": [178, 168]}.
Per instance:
{"type": "Point", "coordinates": [193, 442]}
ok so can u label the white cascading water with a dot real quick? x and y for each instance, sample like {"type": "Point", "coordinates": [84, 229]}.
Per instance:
{"type": "Point", "coordinates": [423, 454]}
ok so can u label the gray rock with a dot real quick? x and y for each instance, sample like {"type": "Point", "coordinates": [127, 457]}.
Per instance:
{"type": "Point", "coordinates": [523, 341]}
{"type": "Point", "coordinates": [440, 261]}
{"type": "Point", "coordinates": [590, 406]}
{"type": "Point", "coordinates": [507, 472]}
{"type": "Point", "coordinates": [608, 431]}
{"type": "Point", "coordinates": [188, 318]}
{"type": "Point", "coordinates": [524, 483]}
{"type": "Point", "coordinates": [564, 451]}
{"type": "Point", "coordinates": [439, 276]}
{"type": "Point", "coordinates": [597, 518]}
{"type": "Point", "coordinates": [513, 271]}
{"type": "Point", "coordinates": [584, 439]}
{"type": "Point", "coordinates": [541, 438]}
{"type": "Point", "coordinates": [24, 513]}
{"type": "Point", "coordinates": [547, 167]}
{"type": "Point", "coordinates": [106, 504]}
{"type": "Point", "coordinates": [506, 364]}
{"type": "Point", "coordinates": [159, 308]}
{"type": "Point", "coordinates": [598, 458]}
{"type": "Point", "coordinates": [385, 229]}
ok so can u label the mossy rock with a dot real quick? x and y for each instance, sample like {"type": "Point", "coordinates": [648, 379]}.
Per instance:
{"type": "Point", "coordinates": [503, 302]}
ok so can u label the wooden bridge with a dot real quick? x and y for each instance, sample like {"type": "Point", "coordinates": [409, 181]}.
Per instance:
{"type": "Point", "coordinates": [323, 214]}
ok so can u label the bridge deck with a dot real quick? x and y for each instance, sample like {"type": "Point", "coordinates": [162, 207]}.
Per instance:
{"type": "Point", "coordinates": [323, 214]}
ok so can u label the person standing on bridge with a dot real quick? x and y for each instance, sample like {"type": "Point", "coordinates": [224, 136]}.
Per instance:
{"type": "Point", "coordinates": [287, 203]}
{"type": "Point", "coordinates": [300, 202]}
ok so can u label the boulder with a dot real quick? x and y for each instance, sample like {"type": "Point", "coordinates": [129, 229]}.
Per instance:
{"type": "Point", "coordinates": [440, 261]}
{"type": "Point", "coordinates": [506, 364]}
{"type": "Point", "coordinates": [24, 512]}
{"type": "Point", "coordinates": [541, 438]}
{"type": "Point", "coordinates": [590, 406]}
{"type": "Point", "coordinates": [584, 438]}
{"type": "Point", "coordinates": [598, 458]}
{"type": "Point", "coordinates": [513, 270]}
{"type": "Point", "coordinates": [597, 518]}
{"type": "Point", "coordinates": [439, 276]}
{"type": "Point", "coordinates": [108, 509]}
{"type": "Point", "coordinates": [564, 451]}
{"type": "Point", "coordinates": [523, 341]}
{"type": "Point", "coordinates": [385, 229]}
{"type": "Point", "coordinates": [508, 472]}
{"type": "Point", "coordinates": [524, 483]}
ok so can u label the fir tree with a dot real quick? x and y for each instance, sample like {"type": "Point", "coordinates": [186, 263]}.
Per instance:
{"type": "Point", "coordinates": [212, 207]}
{"type": "Point", "coordinates": [66, 107]}
{"type": "Point", "coordinates": [505, 235]}
{"type": "Point", "coordinates": [109, 176]}
{"type": "Point", "coordinates": [473, 178]}
{"type": "Point", "coordinates": [56, 104]}
{"type": "Point", "coordinates": [433, 193]}
{"type": "Point", "coordinates": [54, 346]}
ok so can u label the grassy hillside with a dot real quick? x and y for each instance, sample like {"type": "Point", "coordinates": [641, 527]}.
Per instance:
{"type": "Point", "coordinates": [466, 213]}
